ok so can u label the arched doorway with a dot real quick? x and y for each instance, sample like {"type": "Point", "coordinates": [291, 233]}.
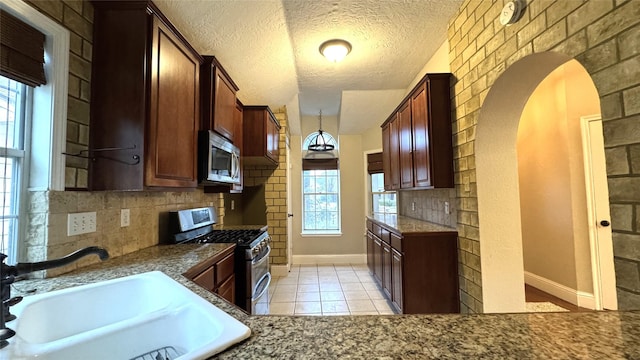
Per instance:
{"type": "Point", "coordinates": [499, 205]}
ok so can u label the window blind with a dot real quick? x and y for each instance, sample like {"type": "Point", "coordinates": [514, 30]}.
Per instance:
{"type": "Point", "coordinates": [319, 164]}
{"type": "Point", "coordinates": [21, 51]}
{"type": "Point", "coordinates": [374, 163]}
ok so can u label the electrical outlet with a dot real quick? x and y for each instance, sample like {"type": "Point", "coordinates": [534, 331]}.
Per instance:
{"type": "Point", "coordinates": [446, 208]}
{"type": "Point", "coordinates": [233, 205]}
{"type": "Point", "coordinates": [413, 206]}
{"type": "Point", "coordinates": [125, 217]}
{"type": "Point", "coordinates": [81, 223]}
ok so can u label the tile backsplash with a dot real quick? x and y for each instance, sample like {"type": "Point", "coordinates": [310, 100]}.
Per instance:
{"type": "Point", "coordinates": [48, 212]}
{"type": "Point", "coordinates": [429, 205]}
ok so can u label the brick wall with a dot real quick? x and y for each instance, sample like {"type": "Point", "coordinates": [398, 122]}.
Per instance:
{"type": "Point", "coordinates": [274, 180]}
{"type": "Point", "coordinates": [604, 36]}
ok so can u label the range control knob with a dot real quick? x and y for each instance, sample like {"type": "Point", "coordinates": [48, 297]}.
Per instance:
{"type": "Point", "coordinates": [255, 251]}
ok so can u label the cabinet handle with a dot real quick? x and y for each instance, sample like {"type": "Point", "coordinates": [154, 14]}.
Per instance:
{"type": "Point", "coordinates": [605, 223]}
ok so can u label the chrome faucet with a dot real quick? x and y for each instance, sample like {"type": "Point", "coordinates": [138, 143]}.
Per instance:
{"type": "Point", "coordinates": [9, 272]}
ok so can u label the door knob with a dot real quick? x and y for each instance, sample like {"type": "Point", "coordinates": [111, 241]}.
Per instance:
{"type": "Point", "coordinates": [605, 223]}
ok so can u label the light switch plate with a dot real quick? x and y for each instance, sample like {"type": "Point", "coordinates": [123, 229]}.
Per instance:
{"type": "Point", "coordinates": [125, 217]}
{"type": "Point", "coordinates": [81, 223]}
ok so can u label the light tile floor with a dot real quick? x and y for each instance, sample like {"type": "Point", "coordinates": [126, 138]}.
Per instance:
{"type": "Point", "coordinates": [327, 290]}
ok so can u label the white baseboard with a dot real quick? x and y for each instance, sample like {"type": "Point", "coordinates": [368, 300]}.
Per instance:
{"type": "Point", "coordinates": [579, 298]}
{"type": "Point", "coordinates": [280, 270]}
{"type": "Point", "coordinates": [330, 259]}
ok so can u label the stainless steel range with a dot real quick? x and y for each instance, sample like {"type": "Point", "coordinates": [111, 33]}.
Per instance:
{"type": "Point", "coordinates": [251, 255]}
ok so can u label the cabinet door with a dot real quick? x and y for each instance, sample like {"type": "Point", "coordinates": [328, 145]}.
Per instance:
{"type": "Point", "coordinates": [174, 112]}
{"type": "Point", "coordinates": [377, 259]}
{"type": "Point", "coordinates": [386, 156]}
{"type": "Point", "coordinates": [370, 252]}
{"type": "Point", "coordinates": [386, 269]}
{"type": "Point", "coordinates": [406, 147]}
{"type": "Point", "coordinates": [421, 146]}
{"type": "Point", "coordinates": [224, 105]}
{"type": "Point", "coordinates": [394, 154]}
{"type": "Point", "coordinates": [238, 141]}
{"type": "Point", "coordinates": [396, 279]}
{"type": "Point", "coordinates": [273, 137]}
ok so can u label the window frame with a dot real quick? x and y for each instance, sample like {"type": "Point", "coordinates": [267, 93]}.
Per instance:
{"type": "Point", "coordinates": [321, 232]}
{"type": "Point", "coordinates": [371, 194]}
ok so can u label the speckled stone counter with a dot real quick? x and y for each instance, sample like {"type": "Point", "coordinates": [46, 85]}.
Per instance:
{"type": "Point", "coordinates": [405, 224]}
{"type": "Point", "coordinates": [584, 335]}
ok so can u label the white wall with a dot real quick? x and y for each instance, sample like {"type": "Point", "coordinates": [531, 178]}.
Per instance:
{"type": "Point", "coordinates": [351, 195]}
{"type": "Point", "coordinates": [551, 176]}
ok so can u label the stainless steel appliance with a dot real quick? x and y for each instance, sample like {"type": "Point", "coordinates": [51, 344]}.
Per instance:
{"type": "Point", "coordinates": [251, 255]}
{"type": "Point", "coordinates": [218, 159]}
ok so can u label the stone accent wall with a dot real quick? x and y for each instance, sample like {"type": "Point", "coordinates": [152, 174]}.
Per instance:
{"type": "Point", "coordinates": [77, 17]}
{"type": "Point", "coordinates": [429, 205]}
{"type": "Point", "coordinates": [604, 36]}
{"type": "Point", "coordinates": [275, 181]}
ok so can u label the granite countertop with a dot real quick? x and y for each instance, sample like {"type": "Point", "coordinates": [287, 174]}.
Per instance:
{"type": "Point", "coordinates": [405, 225]}
{"type": "Point", "coordinates": [581, 335]}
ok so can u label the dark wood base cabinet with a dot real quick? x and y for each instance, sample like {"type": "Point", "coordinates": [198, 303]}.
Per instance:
{"type": "Point", "coordinates": [418, 272]}
{"type": "Point", "coordinates": [217, 275]}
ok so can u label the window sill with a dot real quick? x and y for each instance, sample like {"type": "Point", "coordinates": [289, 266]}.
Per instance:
{"type": "Point", "coordinates": [321, 233]}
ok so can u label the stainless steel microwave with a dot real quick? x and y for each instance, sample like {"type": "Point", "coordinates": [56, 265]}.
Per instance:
{"type": "Point", "coordinates": [218, 159]}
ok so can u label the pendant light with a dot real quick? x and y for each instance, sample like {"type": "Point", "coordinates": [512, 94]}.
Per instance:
{"type": "Point", "coordinates": [320, 143]}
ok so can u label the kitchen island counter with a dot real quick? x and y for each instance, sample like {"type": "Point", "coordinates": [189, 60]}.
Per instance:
{"type": "Point", "coordinates": [581, 335]}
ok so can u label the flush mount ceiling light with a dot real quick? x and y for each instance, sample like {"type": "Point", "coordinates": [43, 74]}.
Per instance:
{"type": "Point", "coordinates": [320, 143]}
{"type": "Point", "coordinates": [335, 50]}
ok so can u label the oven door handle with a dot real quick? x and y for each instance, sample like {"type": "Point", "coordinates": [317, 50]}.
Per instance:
{"type": "Point", "coordinates": [265, 289]}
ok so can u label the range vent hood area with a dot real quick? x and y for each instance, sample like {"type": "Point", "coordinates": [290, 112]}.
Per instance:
{"type": "Point", "coordinates": [247, 208]}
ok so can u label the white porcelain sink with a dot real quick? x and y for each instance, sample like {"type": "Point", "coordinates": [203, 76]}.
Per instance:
{"type": "Point", "coordinates": [121, 319]}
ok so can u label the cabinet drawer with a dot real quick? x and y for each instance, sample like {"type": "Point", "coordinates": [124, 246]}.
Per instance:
{"type": "Point", "coordinates": [205, 279]}
{"type": "Point", "coordinates": [227, 290]}
{"type": "Point", "coordinates": [396, 242]}
{"type": "Point", "coordinates": [384, 235]}
{"type": "Point", "coordinates": [224, 269]}
{"type": "Point", "coordinates": [376, 229]}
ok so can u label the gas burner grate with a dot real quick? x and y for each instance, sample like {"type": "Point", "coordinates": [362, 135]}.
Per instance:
{"type": "Point", "coordinates": [164, 353]}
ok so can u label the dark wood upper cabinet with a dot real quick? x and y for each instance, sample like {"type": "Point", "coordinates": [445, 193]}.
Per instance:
{"type": "Point", "coordinates": [218, 98]}
{"type": "Point", "coordinates": [261, 136]}
{"type": "Point", "coordinates": [403, 119]}
{"type": "Point", "coordinates": [423, 140]}
{"type": "Point", "coordinates": [145, 109]}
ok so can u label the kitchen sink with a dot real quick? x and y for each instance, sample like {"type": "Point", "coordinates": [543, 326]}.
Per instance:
{"type": "Point", "coordinates": [121, 319]}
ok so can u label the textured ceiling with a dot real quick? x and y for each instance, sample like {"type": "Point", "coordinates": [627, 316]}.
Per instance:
{"type": "Point", "coordinates": [270, 49]}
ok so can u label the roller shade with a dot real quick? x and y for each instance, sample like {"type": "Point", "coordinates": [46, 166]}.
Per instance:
{"type": "Point", "coordinates": [320, 164]}
{"type": "Point", "coordinates": [21, 51]}
{"type": "Point", "coordinates": [374, 163]}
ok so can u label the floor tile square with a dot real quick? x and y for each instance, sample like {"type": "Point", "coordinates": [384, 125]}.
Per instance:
{"type": "Point", "coordinates": [284, 308]}
{"type": "Point", "coordinates": [331, 295]}
{"type": "Point", "coordinates": [361, 305]}
{"type": "Point", "coordinates": [283, 296]}
{"type": "Point", "coordinates": [375, 295]}
{"type": "Point", "coordinates": [308, 288]}
{"type": "Point", "coordinates": [334, 306]}
{"type": "Point", "coordinates": [310, 307]}
{"type": "Point", "coordinates": [371, 312]}
{"type": "Point", "coordinates": [352, 286]}
{"type": "Point", "coordinates": [287, 287]}
{"type": "Point", "coordinates": [356, 295]}
{"type": "Point", "coordinates": [307, 296]}
{"type": "Point", "coordinates": [371, 287]}
{"type": "Point", "coordinates": [381, 305]}
{"type": "Point", "coordinates": [330, 286]}
{"type": "Point", "coordinates": [308, 280]}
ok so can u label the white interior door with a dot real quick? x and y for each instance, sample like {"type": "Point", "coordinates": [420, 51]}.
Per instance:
{"type": "Point", "coordinates": [604, 279]}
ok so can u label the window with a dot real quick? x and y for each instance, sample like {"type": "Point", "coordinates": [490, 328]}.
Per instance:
{"type": "Point", "coordinates": [320, 189]}
{"type": "Point", "coordinates": [14, 97]}
{"type": "Point", "coordinates": [382, 202]}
